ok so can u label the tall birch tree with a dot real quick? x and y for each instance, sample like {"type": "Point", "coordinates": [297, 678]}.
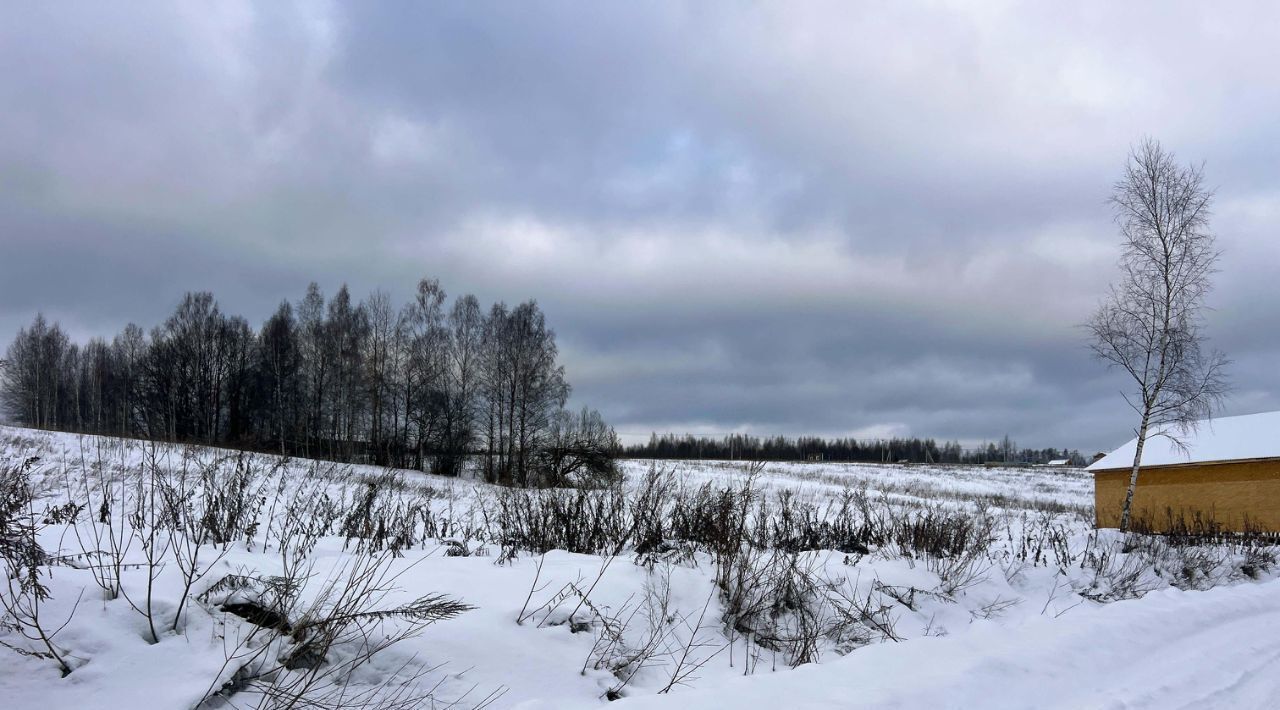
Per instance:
{"type": "Point", "coordinates": [1149, 326]}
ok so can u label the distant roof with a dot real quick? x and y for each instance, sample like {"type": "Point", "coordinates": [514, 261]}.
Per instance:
{"type": "Point", "coordinates": [1059, 462]}
{"type": "Point", "coordinates": [1251, 436]}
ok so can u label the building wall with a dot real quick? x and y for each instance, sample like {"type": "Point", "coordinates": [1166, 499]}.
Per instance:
{"type": "Point", "coordinates": [1226, 493]}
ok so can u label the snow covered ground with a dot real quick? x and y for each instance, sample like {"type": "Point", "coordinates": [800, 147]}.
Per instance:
{"type": "Point", "coordinates": [1171, 649]}
{"type": "Point", "coordinates": [862, 586]}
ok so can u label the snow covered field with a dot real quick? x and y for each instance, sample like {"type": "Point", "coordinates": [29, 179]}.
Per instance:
{"type": "Point", "coordinates": [694, 584]}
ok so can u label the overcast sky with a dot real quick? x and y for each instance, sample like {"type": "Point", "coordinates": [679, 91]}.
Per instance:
{"type": "Point", "coordinates": [831, 218]}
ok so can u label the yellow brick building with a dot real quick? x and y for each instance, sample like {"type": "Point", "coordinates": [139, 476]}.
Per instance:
{"type": "Point", "coordinates": [1228, 476]}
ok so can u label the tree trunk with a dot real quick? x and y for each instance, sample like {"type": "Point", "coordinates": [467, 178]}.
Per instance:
{"type": "Point", "coordinates": [1133, 476]}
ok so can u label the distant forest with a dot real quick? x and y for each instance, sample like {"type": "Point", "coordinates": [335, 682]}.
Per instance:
{"type": "Point", "coordinates": [804, 448]}
{"type": "Point", "coordinates": [424, 386]}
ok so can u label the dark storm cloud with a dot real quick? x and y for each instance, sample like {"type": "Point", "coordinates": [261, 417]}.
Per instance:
{"type": "Point", "coordinates": [827, 218]}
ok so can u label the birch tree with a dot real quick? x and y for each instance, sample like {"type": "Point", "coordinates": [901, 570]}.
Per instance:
{"type": "Point", "coordinates": [278, 377]}
{"type": "Point", "coordinates": [380, 361]}
{"type": "Point", "coordinates": [1149, 326]}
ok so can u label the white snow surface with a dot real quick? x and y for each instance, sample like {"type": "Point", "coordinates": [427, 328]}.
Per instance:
{"type": "Point", "coordinates": [1021, 635]}
{"type": "Point", "coordinates": [1248, 436]}
{"type": "Point", "coordinates": [1171, 649]}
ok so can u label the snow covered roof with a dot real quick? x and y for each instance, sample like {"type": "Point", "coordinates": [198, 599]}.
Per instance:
{"type": "Point", "coordinates": [1251, 436]}
{"type": "Point", "coordinates": [1059, 462]}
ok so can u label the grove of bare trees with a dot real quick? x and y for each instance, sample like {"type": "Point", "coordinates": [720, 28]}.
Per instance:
{"type": "Point", "coordinates": [432, 385]}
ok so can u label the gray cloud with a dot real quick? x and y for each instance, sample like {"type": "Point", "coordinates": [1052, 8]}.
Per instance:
{"type": "Point", "coordinates": [824, 218]}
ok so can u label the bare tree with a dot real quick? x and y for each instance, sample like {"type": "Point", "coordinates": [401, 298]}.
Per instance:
{"type": "Point", "coordinates": [466, 331]}
{"type": "Point", "coordinates": [579, 451]}
{"type": "Point", "coordinates": [315, 362]}
{"type": "Point", "coordinates": [34, 378]}
{"type": "Point", "coordinates": [1149, 325]}
{"type": "Point", "coordinates": [380, 362]}
{"type": "Point", "coordinates": [128, 350]}
{"type": "Point", "coordinates": [425, 334]}
{"type": "Point", "coordinates": [279, 364]}
{"type": "Point", "coordinates": [347, 328]}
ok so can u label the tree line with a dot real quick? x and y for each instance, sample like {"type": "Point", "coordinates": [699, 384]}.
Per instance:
{"type": "Point", "coordinates": [430, 385]}
{"type": "Point", "coordinates": [807, 448]}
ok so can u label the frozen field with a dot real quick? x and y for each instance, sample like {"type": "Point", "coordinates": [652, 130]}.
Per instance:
{"type": "Point", "coordinates": [187, 577]}
{"type": "Point", "coordinates": [1013, 489]}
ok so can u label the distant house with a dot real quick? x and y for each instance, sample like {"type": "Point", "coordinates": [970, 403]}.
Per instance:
{"type": "Point", "coordinates": [1059, 462]}
{"type": "Point", "coordinates": [1228, 475]}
